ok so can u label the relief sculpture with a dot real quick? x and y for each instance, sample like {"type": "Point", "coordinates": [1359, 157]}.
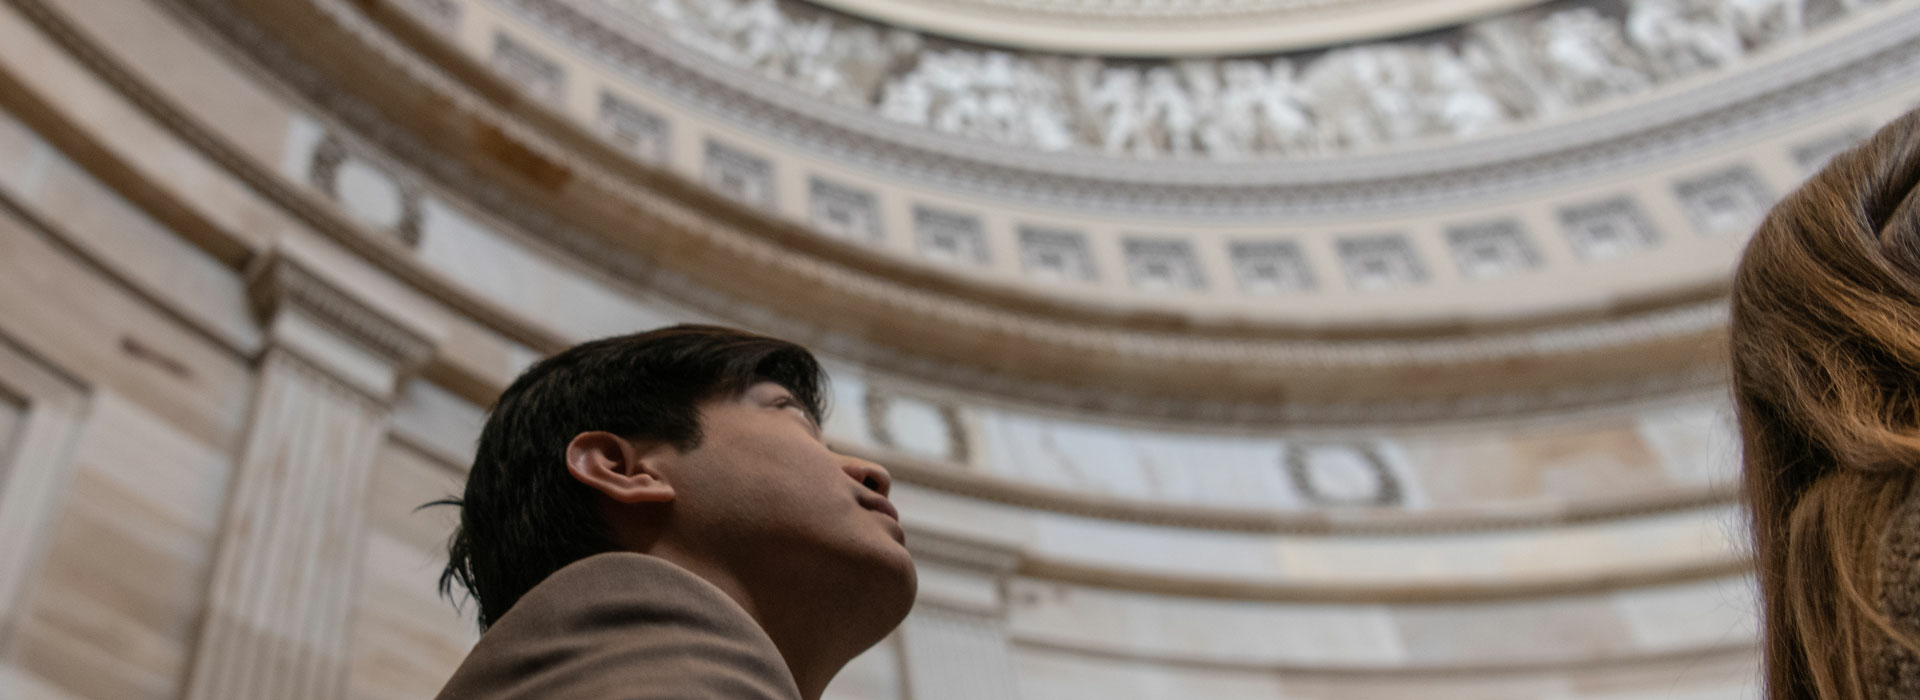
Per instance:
{"type": "Point", "coordinates": [1468, 81]}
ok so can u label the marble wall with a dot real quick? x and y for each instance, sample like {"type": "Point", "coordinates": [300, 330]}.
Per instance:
{"type": "Point", "coordinates": [159, 306]}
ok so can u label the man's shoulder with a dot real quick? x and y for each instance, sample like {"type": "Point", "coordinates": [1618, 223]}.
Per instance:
{"type": "Point", "coordinates": [627, 626]}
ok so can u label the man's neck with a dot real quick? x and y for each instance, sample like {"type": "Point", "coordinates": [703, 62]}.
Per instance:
{"type": "Point", "coordinates": [803, 630]}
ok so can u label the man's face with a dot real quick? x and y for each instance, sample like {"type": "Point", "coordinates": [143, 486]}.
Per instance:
{"type": "Point", "coordinates": [763, 495]}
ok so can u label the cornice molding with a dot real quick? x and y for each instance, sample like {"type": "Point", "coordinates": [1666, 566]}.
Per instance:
{"type": "Point", "coordinates": [1621, 663]}
{"type": "Point", "coordinates": [958, 480]}
{"type": "Point", "coordinates": [362, 342]}
{"type": "Point", "coordinates": [1354, 593]}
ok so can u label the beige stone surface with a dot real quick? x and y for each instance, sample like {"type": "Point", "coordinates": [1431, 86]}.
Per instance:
{"type": "Point", "coordinates": [874, 675]}
{"type": "Point", "coordinates": [24, 153]}
{"type": "Point", "coordinates": [1050, 675]}
{"type": "Point", "coordinates": [119, 594]}
{"type": "Point", "coordinates": [142, 251]}
{"type": "Point", "coordinates": [1586, 461]}
{"type": "Point", "coordinates": [15, 683]}
{"type": "Point", "coordinates": [407, 639]}
{"type": "Point", "coordinates": [1730, 676]}
{"type": "Point", "coordinates": [1224, 631]}
{"type": "Point", "coordinates": [54, 306]}
{"type": "Point", "coordinates": [1578, 551]}
{"type": "Point", "coordinates": [227, 218]}
{"type": "Point", "coordinates": [169, 54]}
{"type": "Point", "coordinates": [1561, 630]}
{"type": "Point", "coordinates": [10, 413]}
{"type": "Point", "coordinates": [1360, 686]}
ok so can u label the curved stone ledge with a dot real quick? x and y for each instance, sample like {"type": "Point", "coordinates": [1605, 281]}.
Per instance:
{"type": "Point", "coordinates": [1402, 638]}
{"type": "Point", "coordinates": [1466, 675]}
{"type": "Point", "coordinates": [684, 291]}
{"type": "Point", "coordinates": [1485, 565]}
{"type": "Point", "coordinates": [1336, 592]}
{"type": "Point", "coordinates": [1494, 517]}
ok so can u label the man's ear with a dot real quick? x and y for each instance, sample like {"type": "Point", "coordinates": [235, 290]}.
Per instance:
{"type": "Point", "coordinates": [626, 471]}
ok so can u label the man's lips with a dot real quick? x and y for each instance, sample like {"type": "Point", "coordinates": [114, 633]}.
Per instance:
{"type": "Point", "coordinates": [881, 505]}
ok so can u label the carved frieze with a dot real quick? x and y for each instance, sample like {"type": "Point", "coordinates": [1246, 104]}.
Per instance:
{"type": "Point", "coordinates": [1525, 66]}
{"type": "Point", "coordinates": [1481, 79]}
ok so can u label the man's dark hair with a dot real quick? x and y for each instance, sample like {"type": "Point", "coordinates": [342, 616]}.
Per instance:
{"type": "Point", "coordinates": [523, 515]}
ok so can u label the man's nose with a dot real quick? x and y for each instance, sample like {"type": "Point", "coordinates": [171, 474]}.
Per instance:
{"type": "Point", "coordinates": [873, 476]}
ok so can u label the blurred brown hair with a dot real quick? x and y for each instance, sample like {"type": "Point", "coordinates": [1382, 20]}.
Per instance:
{"type": "Point", "coordinates": [1826, 377]}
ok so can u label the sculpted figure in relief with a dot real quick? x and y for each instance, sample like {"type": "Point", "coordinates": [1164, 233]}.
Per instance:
{"type": "Point", "coordinates": [991, 95]}
{"type": "Point", "coordinates": [1459, 102]}
{"type": "Point", "coordinates": [1494, 72]}
{"type": "Point", "coordinates": [1584, 58]}
{"type": "Point", "coordinates": [1681, 37]}
{"type": "Point", "coordinates": [1759, 22]}
{"type": "Point", "coordinates": [1171, 113]}
{"type": "Point", "coordinates": [1234, 130]}
{"type": "Point", "coordinates": [1286, 119]}
{"type": "Point", "coordinates": [1361, 96]}
{"type": "Point", "coordinates": [1260, 108]}
{"type": "Point", "coordinates": [1109, 100]}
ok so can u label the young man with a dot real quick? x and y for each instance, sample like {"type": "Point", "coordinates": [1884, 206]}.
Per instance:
{"type": "Point", "coordinates": [657, 516]}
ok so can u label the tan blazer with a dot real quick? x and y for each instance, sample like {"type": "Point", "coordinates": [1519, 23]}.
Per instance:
{"type": "Point", "coordinates": [623, 626]}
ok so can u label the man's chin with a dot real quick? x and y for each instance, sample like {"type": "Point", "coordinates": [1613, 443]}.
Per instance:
{"type": "Point", "coordinates": [895, 578]}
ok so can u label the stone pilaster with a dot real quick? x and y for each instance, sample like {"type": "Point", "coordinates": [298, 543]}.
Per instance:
{"type": "Point", "coordinates": [953, 646]}
{"type": "Point", "coordinates": [288, 567]}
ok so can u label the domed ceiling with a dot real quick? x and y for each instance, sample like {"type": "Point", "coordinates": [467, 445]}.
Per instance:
{"type": "Point", "coordinates": [1365, 212]}
{"type": "Point", "coordinates": [1381, 364]}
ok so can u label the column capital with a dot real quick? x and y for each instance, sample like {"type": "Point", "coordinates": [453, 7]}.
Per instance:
{"type": "Point", "coordinates": [310, 311]}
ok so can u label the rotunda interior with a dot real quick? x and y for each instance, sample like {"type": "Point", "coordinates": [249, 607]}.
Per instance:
{"type": "Point", "coordinates": [1243, 349]}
